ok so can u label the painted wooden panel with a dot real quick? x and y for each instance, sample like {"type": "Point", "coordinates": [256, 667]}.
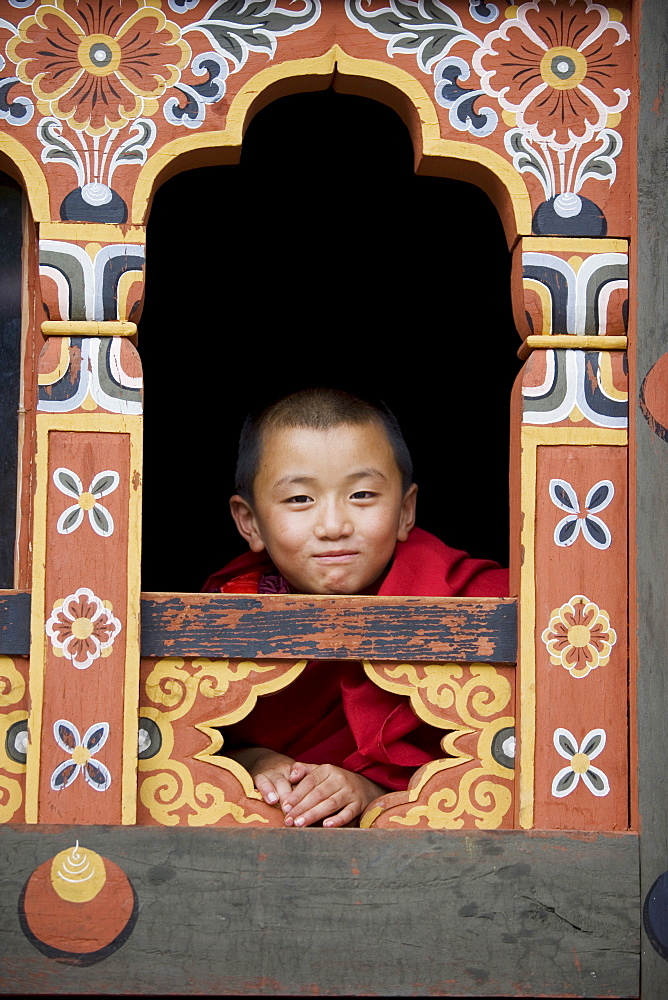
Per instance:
{"type": "Point", "coordinates": [472, 786]}
{"type": "Point", "coordinates": [184, 703]}
{"type": "Point", "coordinates": [338, 913]}
{"type": "Point", "coordinates": [84, 619]}
{"type": "Point", "coordinates": [566, 525]}
{"type": "Point", "coordinates": [13, 737]}
{"type": "Point", "coordinates": [329, 627]}
{"type": "Point", "coordinates": [573, 388]}
{"type": "Point", "coordinates": [581, 778]}
{"type": "Point", "coordinates": [183, 778]}
{"type": "Point", "coordinates": [529, 100]}
{"type": "Point", "coordinates": [570, 287]}
{"type": "Point", "coordinates": [90, 272]}
{"type": "Point", "coordinates": [85, 612]}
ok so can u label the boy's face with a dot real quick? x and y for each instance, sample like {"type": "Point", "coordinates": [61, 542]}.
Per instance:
{"type": "Point", "coordinates": [328, 507]}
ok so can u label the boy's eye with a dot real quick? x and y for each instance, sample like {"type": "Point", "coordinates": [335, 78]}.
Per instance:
{"type": "Point", "coordinates": [300, 498]}
{"type": "Point", "coordinates": [363, 495]}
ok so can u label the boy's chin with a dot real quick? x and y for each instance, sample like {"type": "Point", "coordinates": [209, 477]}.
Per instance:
{"type": "Point", "coordinates": [333, 587]}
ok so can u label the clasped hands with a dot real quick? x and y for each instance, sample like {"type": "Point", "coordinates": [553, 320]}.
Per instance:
{"type": "Point", "coordinates": [308, 793]}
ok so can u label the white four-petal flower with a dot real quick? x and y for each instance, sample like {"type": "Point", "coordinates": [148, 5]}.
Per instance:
{"type": "Point", "coordinates": [81, 760]}
{"type": "Point", "coordinates": [579, 766]}
{"type": "Point", "coordinates": [593, 528]}
{"type": "Point", "coordinates": [101, 484]}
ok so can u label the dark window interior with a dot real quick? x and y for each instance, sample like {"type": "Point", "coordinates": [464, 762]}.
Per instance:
{"type": "Point", "coordinates": [11, 240]}
{"type": "Point", "coordinates": [322, 259]}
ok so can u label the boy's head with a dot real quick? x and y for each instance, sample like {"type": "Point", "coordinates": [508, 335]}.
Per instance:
{"type": "Point", "coordinates": [324, 485]}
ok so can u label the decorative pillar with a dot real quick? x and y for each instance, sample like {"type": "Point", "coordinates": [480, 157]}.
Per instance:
{"type": "Point", "coordinates": [570, 302]}
{"type": "Point", "coordinates": [84, 658]}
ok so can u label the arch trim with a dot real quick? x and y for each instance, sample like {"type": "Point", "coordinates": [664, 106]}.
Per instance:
{"type": "Point", "coordinates": [435, 155]}
{"type": "Point", "coordinates": [30, 175]}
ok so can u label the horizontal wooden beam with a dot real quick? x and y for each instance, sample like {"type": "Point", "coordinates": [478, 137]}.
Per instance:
{"type": "Point", "coordinates": [14, 622]}
{"type": "Point", "coordinates": [333, 912]}
{"type": "Point", "coordinates": [386, 628]}
{"type": "Point", "coordinates": [340, 628]}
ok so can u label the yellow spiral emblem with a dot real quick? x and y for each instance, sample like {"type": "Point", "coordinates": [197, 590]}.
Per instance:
{"type": "Point", "coordinates": [99, 54]}
{"type": "Point", "coordinates": [77, 875]}
{"type": "Point", "coordinates": [563, 67]}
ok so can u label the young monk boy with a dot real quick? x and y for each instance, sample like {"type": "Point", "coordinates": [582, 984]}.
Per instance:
{"type": "Point", "coordinates": [325, 501]}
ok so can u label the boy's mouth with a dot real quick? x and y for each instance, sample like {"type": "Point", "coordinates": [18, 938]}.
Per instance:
{"type": "Point", "coordinates": [335, 556]}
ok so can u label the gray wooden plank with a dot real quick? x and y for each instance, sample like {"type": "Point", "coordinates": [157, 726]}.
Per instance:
{"type": "Point", "coordinates": [250, 626]}
{"type": "Point", "coordinates": [346, 912]}
{"type": "Point", "coordinates": [652, 470]}
{"type": "Point", "coordinates": [14, 623]}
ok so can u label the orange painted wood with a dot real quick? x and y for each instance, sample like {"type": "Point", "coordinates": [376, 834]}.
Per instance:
{"type": "Point", "coordinates": [597, 700]}
{"type": "Point", "coordinates": [85, 695]}
{"type": "Point", "coordinates": [373, 61]}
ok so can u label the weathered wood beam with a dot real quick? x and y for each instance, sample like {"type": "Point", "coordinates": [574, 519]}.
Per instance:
{"type": "Point", "coordinates": [454, 628]}
{"type": "Point", "coordinates": [344, 913]}
{"type": "Point", "coordinates": [459, 629]}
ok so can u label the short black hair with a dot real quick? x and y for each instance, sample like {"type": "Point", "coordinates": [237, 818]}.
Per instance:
{"type": "Point", "coordinates": [319, 409]}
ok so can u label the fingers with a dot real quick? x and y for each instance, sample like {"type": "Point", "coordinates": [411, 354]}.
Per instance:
{"type": "Point", "coordinates": [300, 770]}
{"type": "Point", "coordinates": [325, 792]}
{"type": "Point", "coordinates": [273, 787]}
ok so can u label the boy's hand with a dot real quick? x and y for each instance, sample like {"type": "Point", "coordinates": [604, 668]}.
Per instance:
{"type": "Point", "coordinates": [270, 772]}
{"type": "Point", "coordinates": [326, 792]}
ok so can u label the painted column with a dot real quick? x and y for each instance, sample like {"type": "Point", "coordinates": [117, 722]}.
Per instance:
{"type": "Point", "coordinates": [571, 302]}
{"type": "Point", "coordinates": [84, 664]}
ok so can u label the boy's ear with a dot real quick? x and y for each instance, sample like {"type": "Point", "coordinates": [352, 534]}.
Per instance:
{"type": "Point", "coordinates": [246, 523]}
{"type": "Point", "coordinates": [407, 517]}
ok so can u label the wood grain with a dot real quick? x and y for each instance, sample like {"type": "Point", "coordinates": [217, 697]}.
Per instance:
{"type": "Point", "coordinates": [347, 913]}
{"type": "Point", "coordinates": [457, 629]}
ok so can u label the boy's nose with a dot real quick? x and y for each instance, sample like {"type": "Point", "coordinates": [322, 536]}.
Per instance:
{"type": "Point", "coordinates": [333, 524]}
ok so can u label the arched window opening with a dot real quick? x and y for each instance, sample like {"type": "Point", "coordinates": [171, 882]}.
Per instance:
{"type": "Point", "coordinates": [322, 259]}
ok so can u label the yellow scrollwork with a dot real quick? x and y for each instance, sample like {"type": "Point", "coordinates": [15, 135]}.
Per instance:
{"type": "Point", "coordinates": [446, 809]}
{"type": "Point", "coordinates": [175, 683]}
{"type": "Point", "coordinates": [463, 700]}
{"type": "Point", "coordinates": [166, 793]}
{"type": "Point", "coordinates": [169, 792]}
{"type": "Point", "coordinates": [12, 683]}
{"type": "Point", "coordinates": [12, 691]}
{"type": "Point", "coordinates": [437, 688]}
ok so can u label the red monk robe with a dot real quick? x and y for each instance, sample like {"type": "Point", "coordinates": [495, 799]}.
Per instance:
{"type": "Point", "coordinates": [333, 713]}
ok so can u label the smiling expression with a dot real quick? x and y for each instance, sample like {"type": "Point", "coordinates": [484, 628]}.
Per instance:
{"type": "Point", "coordinates": [328, 506]}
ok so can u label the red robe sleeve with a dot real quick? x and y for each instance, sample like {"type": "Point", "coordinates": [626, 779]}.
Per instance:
{"type": "Point", "coordinates": [333, 713]}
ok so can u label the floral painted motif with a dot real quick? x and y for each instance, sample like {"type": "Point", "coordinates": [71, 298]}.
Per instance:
{"type": "Point", "coordinates": [93, 65]}
{"type": "Point", "coordinates": [82, 628]}
{"type": "Point", "coordinates": [579, 636]}
{"type": "Point", "coordinates": [552, 67]}
{"type": "Point", "coordinates": [579, 763]}
{"type": "Point", "coordinates": [594, 530]}
{"type": "Point", "coordinates": [99, 517]}
{"type": "Point", "coordinates": [81, 760]}
{"type": "Point", "coordinates": [555, 71]}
